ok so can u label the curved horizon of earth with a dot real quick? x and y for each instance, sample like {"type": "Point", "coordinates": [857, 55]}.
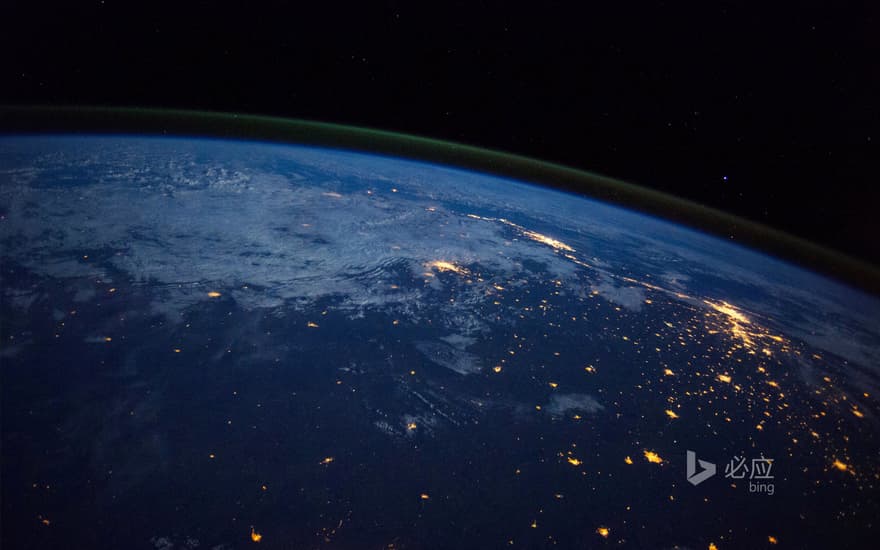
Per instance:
{"type": "Point", "coordinates": [212, 343]}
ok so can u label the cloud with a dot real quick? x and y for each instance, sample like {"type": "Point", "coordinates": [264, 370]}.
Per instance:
{"type": "Point", "coordinates": [450, 357]}
{"type": "Point", "coordinates": [561, 404]}
{"type": "Point", "coordinates": [630, 297]}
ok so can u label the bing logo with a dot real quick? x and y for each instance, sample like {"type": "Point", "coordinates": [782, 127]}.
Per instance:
{"type": "Point", "coordinates": [695, 478]}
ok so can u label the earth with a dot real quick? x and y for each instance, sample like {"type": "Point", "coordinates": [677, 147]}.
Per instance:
{"type": "Point", "coordinates": [227, 344]}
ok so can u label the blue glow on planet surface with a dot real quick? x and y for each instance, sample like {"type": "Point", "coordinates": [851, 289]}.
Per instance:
{"type": "Point", "coordinates": [219, 344]}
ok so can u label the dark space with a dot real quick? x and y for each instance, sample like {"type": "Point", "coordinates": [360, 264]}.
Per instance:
{"type": "Point", "coordinates": [768, 111]}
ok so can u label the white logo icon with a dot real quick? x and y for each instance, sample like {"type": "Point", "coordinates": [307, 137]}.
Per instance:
{"type": "Point", "coordinates": [696, 478]}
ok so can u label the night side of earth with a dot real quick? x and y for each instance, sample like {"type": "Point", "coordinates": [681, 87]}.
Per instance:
{"type": "Point", "coordinates": [226, 344]}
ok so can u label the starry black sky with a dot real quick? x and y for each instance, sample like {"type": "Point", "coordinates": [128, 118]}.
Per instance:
{"type": "Point", "coordinates": [766, 110]}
